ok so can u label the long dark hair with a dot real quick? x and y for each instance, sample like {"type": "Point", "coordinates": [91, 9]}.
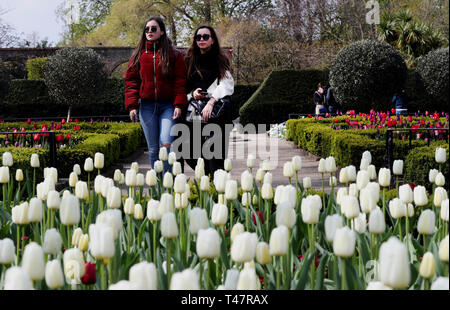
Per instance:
{"type": "Point", "coordinates": [223, 62]}
{"type": "Point", "coordinates": [165, 47]}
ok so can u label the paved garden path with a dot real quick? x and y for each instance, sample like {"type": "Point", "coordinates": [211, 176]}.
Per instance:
{"type": "Point", "coordinates": [263, 147]}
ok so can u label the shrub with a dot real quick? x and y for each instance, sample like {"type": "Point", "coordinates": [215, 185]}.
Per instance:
{"type": "Point", "coordinates": [5, 80]}
{"type": "Point", "coordinates": [366, 74]}
{"type": "Point", "coordinates": [433, 78]}
{"type": "Point", "coordinates": [35, 68]}
{"type": "Point", "coordinates": [282, 92]}
{"type": "Point", "coordinates": [74, 76]}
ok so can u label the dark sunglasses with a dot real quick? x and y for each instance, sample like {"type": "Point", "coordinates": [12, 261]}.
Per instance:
{"type": "Point", "coordinates": [205, 37]}
{"type": "Point", "coordinates": [151, 29]}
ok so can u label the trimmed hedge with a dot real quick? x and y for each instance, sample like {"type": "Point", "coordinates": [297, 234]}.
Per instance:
{"type": "Point", "coordinates": [5, 80]}
{"type": "Point", "coordinates": [35, 68]}
{"type": "Point", "coordinates": [347, 146]}
{"type": "Point", "coordinates": [114, 140]}
{"type": "Point", "coordinates": [282, 92]}
{"type": "Point", "coordinates": [31, 99]}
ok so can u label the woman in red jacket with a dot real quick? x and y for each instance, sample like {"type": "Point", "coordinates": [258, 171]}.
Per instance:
{"type": "Point", "coordinates": [155, 85]}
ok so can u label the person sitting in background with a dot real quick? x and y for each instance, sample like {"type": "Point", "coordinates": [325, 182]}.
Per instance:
{"type": "Point", "coordinates": [319, 99]}
{"type": "Point", "coordinates": [400, 101]}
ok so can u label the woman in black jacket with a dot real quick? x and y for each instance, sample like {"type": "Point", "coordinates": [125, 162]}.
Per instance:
{"type": "Point", "coordinates": [208, 78]}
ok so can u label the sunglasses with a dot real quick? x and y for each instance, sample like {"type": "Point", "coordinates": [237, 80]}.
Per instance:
{"type": "Point", "coordinates": [150, 29]}
{"type": "Point", "coordinates": [205, 37]}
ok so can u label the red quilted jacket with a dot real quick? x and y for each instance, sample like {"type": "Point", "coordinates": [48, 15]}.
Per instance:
{"type": "Point", "coordinates": [140, 80]}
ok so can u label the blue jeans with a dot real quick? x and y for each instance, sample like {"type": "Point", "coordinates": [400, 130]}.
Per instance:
{"type": "Point", "coordinates": [156, 121]}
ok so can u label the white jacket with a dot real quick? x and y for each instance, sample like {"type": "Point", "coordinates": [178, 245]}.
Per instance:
{"type": "Point", "coordinates": [219, 90]}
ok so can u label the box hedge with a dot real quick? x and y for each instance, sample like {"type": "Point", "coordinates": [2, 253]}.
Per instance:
{"type": "Point", "coordinates": [30, 98]}
{"type": "Point", "coordinates": [35, 68]}
{"type": "Point", "coordinates": [347, 146]}
{"type": "Point", "coordinates": [114, 140]}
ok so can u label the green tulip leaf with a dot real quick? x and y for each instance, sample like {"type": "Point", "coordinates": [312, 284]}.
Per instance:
{"type": "Point", "coordinates": [321, 272]}
{"type": "Point", "coordinates": [304, 272]}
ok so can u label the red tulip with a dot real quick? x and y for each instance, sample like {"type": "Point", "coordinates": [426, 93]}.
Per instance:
{"type": "Point", "coordinates": [261, 218]}
{"type": "Point", "coordinates": [36, 137]}
{"type": "Point", "coordinates": [28, 121]}
{"type": "Point", "coordinates": [63, 121]}
{"type": "Point", "coordinates": [68, 136]}
{"type": "Point", "coordinates": [58, 126]}
{"type": "Point", "coordinates": [90, 274]}
{"type": "Point", "coordinates": [60, 138]}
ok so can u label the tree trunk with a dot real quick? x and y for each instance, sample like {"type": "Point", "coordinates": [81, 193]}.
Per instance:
{"type": "Point", "coordinates": [68, 113]}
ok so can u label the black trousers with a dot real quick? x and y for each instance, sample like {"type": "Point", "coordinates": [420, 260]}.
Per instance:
{"type": "Point", "coordinates": [211, 146]}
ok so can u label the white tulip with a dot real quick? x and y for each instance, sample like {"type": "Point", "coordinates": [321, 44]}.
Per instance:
{"type": "Point", "coordinates": [362, 179]}
{"type": "Point", "coordinates": [332, 223]}
{"type": "Point", "coordinates": [144, 275]}
{"type": "Point", "coordinates": [227, 165]}
{"type": "Point", "coordinates": [153, 210]}
{"type": "Point", "coordinates": [285, 215]}
{"type": "Point", "coordinates": [172, 158]}
{"type": "Point", "coordinates": [444, 210]}
{"type": "Point", "coordinates": [384, 177]}
{"type": "Point", "coordinates": [397, 208]}
{"type": "Point", "coordinates": [19, 214]}
{"type": "Point", "coordinates": [185, 280]}
{"type": "Point", "coordinates": [377, 223]}
{"type": "Point", "coordinates": [54, 276]}
{"type": "Point", "coordinates": [440, 194]}
{"type": "Point", "coordinates": [440, 284]}
{"type": "Point", "coordinates": [350, 206]}
{"type": "Point", "coordinates": [394, 264]}
{"type": "Point", "coordinates": [34, 161]}
{"type": "Point", "coordinates": [344, 242]}
{"type": "Point", "coordinates": [405, 193]}
{"type": "Point", "coordinates": [7, 251]}
{"type": "Point", "coordinates": [306, 183]}
{"type": "Point", "coordinates": [166, 203]}
{"type": "Point", "coordinates": [150, 178]}
{"type": "Point", "coordinates": [163, 155]}
{"type": "Point", "coordinates": [179, 185]}
{"type": "Point", "coordinates": [322, 166]}
{"type": "Point", "coordinates": [371, 170]}
{"type": "Point", "coordinates": [330, 164]}
{"type": "Point", "coordinates": [243, 248]}
{"type": "Point", "coordinates": [208, 243]}
{"type": "Point", "coordinates": [219, 215]}
{"type": "Point", "coordinates": [426, 222]}
{"type": "Point", "coordinates": [114, 198]}
{"type": "Point", "coordinates": [440, 155]}
{"type": "Point", "coordinates": [111, 218]}
{"type": "Point", "coordinates": [310, 209]}
{"type": "Point", "coordinates": [231, 190]}
{"type": "Point", "coordinates": [88, 165]}
{"type": "Point", "coordinates": [7, 159]}
{"type": "Point", "coordinates": [297, 163]}
{"type": "Point", "coordinates": [99, 160]}
{"type": "Point", "coordinates": [35, 210]}
{"type": "Point", "coordinates": [4, 175]}
{"type": "Point", "coordinates": [359, 223]}
{"type": "Point", "coordinates": [397, 167]}
{"type": "Point", "coordinates": [17, 278]}
{"type": "Point", "coordinates": [288, 170]}
{"type": "Point", "coordinates": [158, 166]}
{"type": "Point", "coordinates": [198, 219]}
{"type": "Point", "coordinates": [246, 181]}
{"type": "Point", "coordinates": [220, 180]}
{"type": "Point", "coordinates": [101, 241]}
{"type": "Point", "coordinates": [251, 160]}
{"type": "Point", "coordinates": [440, 179]}
{"type": "Point", "coordinates": [52, 242]}
{"type": "Point", "coordinates": [420, 196]}
{"type": "Point", "coordinates": [33, 261]}
{"type": "Point", "coordinates": [432, 175]}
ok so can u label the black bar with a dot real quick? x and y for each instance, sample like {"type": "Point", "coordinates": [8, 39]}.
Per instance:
{"type": "Point", "coordinates": [52, 145]}
{"type": "Point", "coordinates": [52, 118]}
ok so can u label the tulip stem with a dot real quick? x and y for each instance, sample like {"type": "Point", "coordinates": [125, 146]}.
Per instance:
{"type": "Point", "coordinates": [231, 216]}
{"type": "Point", "coordinates": [154, 241]}
{"type": "Point", "coordinates": [168, 260]}
{"type": "Point", "coordinates": [129, 232]}
{"type": "Point", "coordinates": [247, 224]}
{"type": "Point", "coordinates": [182, 242]}
{"type": "Point", "coordinates": [208, 279]}
{"type": "Point", "coordinates": [399, 221]}
{"type": "Point", "coordinates": [278, 272]}
{"type": "Point", "coordinates": [201, 272]}
{"type": "Point", "coordinates": [103, 275]}
{"type": "Point", "coordinates": [34, 181]}
{"type": "Point", "coordinates": [18, 244]}
{"type": "Point", "coordinates": [268, 207]}
{"type": "Point", "coordinates": [82, 215]}
{"type": "Point", "coordinates": [323, 192]}
{"type": "Point", "coordinates": [384, 202]}
{"type": "Point", "coordinates": [68, 236]}
{"type": "Point", "coordinates": [4, 203]}
{"type": "Point", "coordinates": [407, 233]}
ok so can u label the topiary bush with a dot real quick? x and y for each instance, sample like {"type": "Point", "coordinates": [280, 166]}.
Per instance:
{"type": "Point", "coordinates": [5, 80]}
{"type": "Point", "coordinates": [74, 76]}
{"type": "Point", "coordinates": [366, 74]}
{"type": "Point", "coordinates": [433, 80]}
{"type": "Point", "coordinates": [35, 68]}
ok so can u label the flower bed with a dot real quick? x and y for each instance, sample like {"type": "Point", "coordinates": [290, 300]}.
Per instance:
{"type": "Point", "coordinates": [346, 137]}
{"type": "Point", "coordinates": [226, 235]}
{"type": "Point", "coordinates": [74, 141]}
